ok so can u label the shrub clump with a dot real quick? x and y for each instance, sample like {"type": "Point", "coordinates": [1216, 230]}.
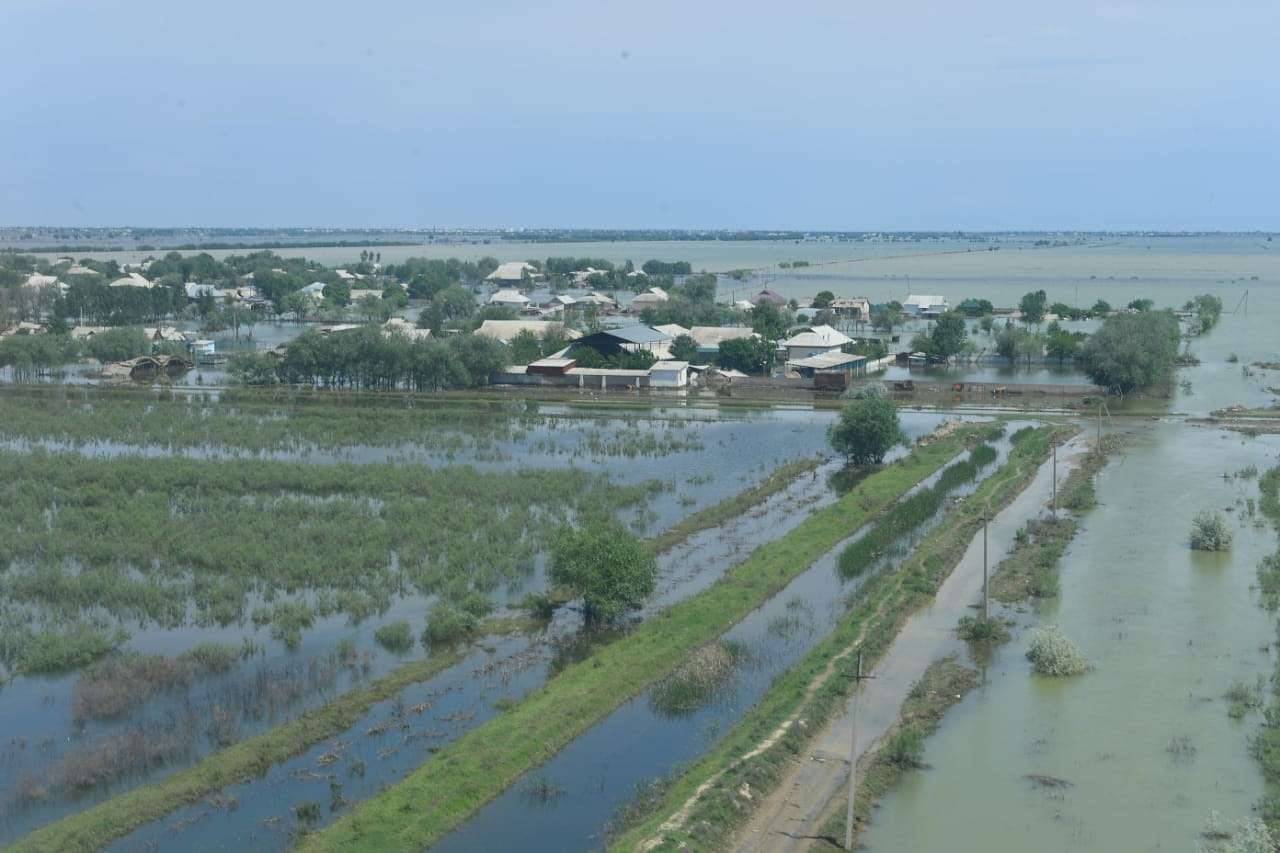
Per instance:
{"type": "Point", "coordinates": [706, 672]}
{"type": "Point", "coordinates": [447, 624]}
{"type": "Point", "coordinates": [1052, 653]}
{"type": "Point", "coordinates": [1209, 532]}
{"type": "Point", "coordinates": [1250, 835]}
{"type": "Point", "coordinates": [395, 637]}
{"type": "Point", "coordinates": [979, 629]}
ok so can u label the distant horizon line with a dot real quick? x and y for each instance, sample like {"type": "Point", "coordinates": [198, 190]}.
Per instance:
{"type": "Point", "coordinates": [516, 230]}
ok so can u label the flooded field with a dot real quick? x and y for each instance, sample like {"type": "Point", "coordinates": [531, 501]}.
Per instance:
{"type": "Point", "coordinates": [62, 755]}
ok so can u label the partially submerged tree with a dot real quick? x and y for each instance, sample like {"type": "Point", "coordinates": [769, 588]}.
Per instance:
{"type": "Point", "coordinates": [1033, 306]}
{"type": "Point", "coordinates": [868, 429]}
{"type": "Point", "coordinates": [609, 568]}
{"type": "Point", "coordinates": [1209, 532]}
{"type": "Point", "coordinates": [1132, 351]}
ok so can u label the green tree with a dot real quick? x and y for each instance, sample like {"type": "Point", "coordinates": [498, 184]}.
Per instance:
{"type": "Point", "coordinates": [1141, 305]}
{"type": "Point", "coordinates": [948, 336]}
{"type": "Point", "coordinates": [298, 304]}
{"type": "Point", "coordinates": [684, 348]}
{"type": "Point", "coordinates": [987, 323]}
{"type": "Point", "coordinates": [456, 303]}
{"type": "Point", "coordinates": [1132, 351]}
{"type": "Point", "coordinates": [1207, 308]}
{"type": "Point", "coordinates": [886, 317]}
{"type": "Point", "coordinates": [750, 355]}
{"type": "Point", "coordinates": [525, 347]}
{"type": "Point", "coordinates": [823, 299]}
{"type": "Point", "coordinates": [1033, 305]}
{"type": "Point", "coordinates": [867, 430]}
{"type": "Point", "coordinates": [975, 307]}
{"type": "Point", "coordinates": [1062, 344]}
{"type": "Point", "coordinates": [609, 568]}
{"type": "Point", "coordinates": [1101, 308]}
{"type": "Point", "coordinates": [338, 292]}
{"type": "Point", "coordinates": [769, 321]}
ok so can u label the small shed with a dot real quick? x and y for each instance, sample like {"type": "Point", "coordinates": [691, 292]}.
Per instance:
{"type": "Point", "coordinates": [550, 366]}
{"type": "Point", "coordinates": [669, 374]}
{"type": "Point", "coordinates": [831, 371]}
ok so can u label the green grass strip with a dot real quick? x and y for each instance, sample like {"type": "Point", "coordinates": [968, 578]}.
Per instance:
{"type": "Point", "coordinates": [99, 826]}
{"type": "Point", "coordinates": [811, 690]}
{"type": "Point", "coordinates": [446, 790]}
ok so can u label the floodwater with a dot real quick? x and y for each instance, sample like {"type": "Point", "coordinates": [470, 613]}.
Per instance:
{"type": "Point", "coordinates": [642, 742]}
{"type": "Point", "coordinates": [36, 710]}
{"type": "Point", "coordinates": [1169, 630]}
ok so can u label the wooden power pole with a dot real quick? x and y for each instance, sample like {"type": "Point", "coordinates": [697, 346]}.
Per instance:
{"type": "Point", "coordinates": [853, 753]}
{"type": "Point", "coordinates": [984, 565]}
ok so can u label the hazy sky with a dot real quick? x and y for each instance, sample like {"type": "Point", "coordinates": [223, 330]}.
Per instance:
{"type": "Point", "coordinates": [893, 115]}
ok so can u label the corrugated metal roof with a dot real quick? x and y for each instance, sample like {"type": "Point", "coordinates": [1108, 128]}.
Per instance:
{"type": "Point", "coordinates": [818, 336]}
{"type": "Point", "coordinates": [638, 334]}
{"type": "Point", "coordinates": [827, 360]}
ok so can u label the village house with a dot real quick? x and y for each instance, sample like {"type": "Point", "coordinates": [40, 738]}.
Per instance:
{"type": "Point", "coordinates": [505, 331]}
{"type": "Point", "coordinates": [401, 326]}
{"type": "Point", "coordinates": [814, 340]}
{"type": "Point", "coordinates": [830, 371]}
{"type": "Point", "coordinates": [770, 296]}
{"type": "Point", "coordinates": [649, 298]}
{"type": "Point", "coordinates": [709, 338]}
{"type": "Point", "coordinates": [855, 308]}
{"type": "Point", "coordinates": [610, 342]}
{"type": "Point", "coordinates": [512, 271]}
{"type": "Point", "coordinates": [509, 298]}
{"type": "Point", "coordinates": [925, 306]}
{"type": "Point", "coordinates": [133, 279]}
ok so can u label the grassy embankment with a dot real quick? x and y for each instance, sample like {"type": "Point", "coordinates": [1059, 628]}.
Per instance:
{"type": "Point", "coordinates": [708, 800]}
{"type": "Point", "coordinates": [444, 791]}
{"type": "Point", "coordinates": [117, 817]}
{"type": "Point", "coordinates": [1266, 743]}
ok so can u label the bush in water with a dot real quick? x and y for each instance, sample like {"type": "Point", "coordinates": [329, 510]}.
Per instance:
{"type": "Point", "coordinates": [1209, 532]}
{"type": "Point", "coordinates": [1051, 653]}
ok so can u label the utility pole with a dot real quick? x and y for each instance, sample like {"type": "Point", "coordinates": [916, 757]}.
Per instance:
{"type": "Point", "coordinates": [1053, 505]}
{"type": "Point", "coordinates": [984, 564]}
{"type": "Point", "coordinates": [853, 753]}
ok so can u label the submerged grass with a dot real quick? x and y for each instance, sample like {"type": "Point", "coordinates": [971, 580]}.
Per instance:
{"type": "Point", "coordinates": [718, 791]}
{"type": "Point", "coordinates": [487, 760]}
{"type": "Point", "coordinates": [170, 540]}
{"type": "Point", "coordinates": [1266, 741]}
{"type": "Point", "coordinates": [98, 826]}
{"type": "Point", "coordinates": [719, 513]}
{"type": "Point", "coordinates": [121, 815]}
{"type": "Point", "coordinates": [301, 421]}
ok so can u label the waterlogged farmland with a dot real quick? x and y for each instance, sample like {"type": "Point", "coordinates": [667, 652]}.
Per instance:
{"type": "Point", "coordinates": [192, 572]}
{"type": "Point", "coordinates": [584, 792]}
